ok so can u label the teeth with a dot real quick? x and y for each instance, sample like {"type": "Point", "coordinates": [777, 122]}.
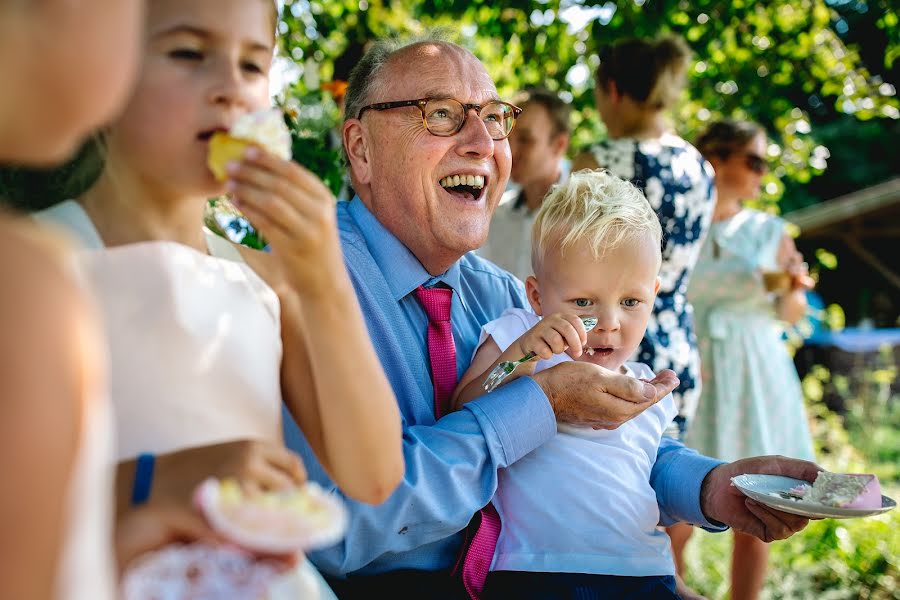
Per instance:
{"type": "Point", "coordinates": [475, 181]}
{"type": "Point", "coordinates": [590, 351]}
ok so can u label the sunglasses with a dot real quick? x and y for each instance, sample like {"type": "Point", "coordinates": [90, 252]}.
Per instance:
{"type": "Point", "coordinates": [756, 163]}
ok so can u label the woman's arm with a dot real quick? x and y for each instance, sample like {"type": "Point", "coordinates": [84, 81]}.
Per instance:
{"type": "Point", "coordinates": [332, 380]}
{"type": "Point", "coordinates": [792, 305]}
{"type": "Point", "coordinates": [339, 394]}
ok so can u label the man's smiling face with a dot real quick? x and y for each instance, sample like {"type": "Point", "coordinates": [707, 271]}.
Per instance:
{"type": "Point", "coordinates": [413, 187]}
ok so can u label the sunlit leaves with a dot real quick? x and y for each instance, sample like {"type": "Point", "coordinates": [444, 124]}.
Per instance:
{"type": "Point", "coordinates": [758, 60]}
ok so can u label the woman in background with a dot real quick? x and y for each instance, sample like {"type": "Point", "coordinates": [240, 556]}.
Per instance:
{"type": "Point", "coordinates": [749, 279]}
{"type": "Point", "coordinates": [638, 81]}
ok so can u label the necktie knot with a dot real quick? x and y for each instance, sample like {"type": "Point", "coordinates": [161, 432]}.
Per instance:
{"type": "Point", "coordinates": [436, 302]}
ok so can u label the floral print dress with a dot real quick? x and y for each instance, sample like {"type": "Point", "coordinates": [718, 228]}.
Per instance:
{"type": "Point", "coordinates": [678, 182]}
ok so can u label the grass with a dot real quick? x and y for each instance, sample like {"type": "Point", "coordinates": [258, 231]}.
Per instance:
{"type": "Point", "coordinates": [831, 559]}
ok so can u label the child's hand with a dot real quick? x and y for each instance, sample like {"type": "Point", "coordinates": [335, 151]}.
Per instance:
{"type": "Point", "coordinates": [553, 335]}
{"type": "Point", "coordinates": [257, 465]}
{"type": "Point", "coordinates": [152, 526]}
{"type": "Point", "coordinates": [294, 211]}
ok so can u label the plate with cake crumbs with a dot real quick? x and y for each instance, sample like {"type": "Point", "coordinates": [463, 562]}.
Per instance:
{"type": "Point", "coordinates": [832, 495]}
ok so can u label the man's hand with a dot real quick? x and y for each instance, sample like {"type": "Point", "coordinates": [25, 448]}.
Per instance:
{"type": "Point", "coordinates": [588, 395]}
{"type": "Point", "coordinates": [722, 502]}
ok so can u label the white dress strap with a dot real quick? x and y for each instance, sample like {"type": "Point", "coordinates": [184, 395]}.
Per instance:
{"type": "Point", "coordinates": [75, 223]}
{"type": "Point", "coordinates": [71, 217]}
{"type": "Point", "coordinates": [219, 247]}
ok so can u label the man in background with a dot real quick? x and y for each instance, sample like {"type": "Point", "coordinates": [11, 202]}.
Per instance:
{"type": "Point", "coordinates": [538, 144]}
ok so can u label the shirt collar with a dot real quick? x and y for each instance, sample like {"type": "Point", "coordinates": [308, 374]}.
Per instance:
{"type": "Point", "coordinates": [402, 270]}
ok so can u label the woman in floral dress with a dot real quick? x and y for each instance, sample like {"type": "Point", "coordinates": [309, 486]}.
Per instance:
{"type": "Point", "coordinates": [637, 82]}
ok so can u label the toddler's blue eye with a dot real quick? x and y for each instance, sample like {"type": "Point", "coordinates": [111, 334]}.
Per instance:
{"type": "Point", "coordinates": [631, 302]}
{"type": "Point", "coordinates": [582, 302]}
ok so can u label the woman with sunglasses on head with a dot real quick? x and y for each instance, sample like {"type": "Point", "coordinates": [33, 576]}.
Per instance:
{"type": "Point", "coordinates": [638, 81]}
{"type": "Point", "coordinates": [749, 278]}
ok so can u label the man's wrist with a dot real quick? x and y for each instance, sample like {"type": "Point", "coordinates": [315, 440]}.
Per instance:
{"type": "Point", "coordinates": [545, 380]}
{"type": "Point", "coordinates": [707, 490]}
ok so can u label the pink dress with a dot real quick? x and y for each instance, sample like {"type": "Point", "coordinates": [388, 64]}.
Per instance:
{"type": "Point", "coordinates": [194, 341]}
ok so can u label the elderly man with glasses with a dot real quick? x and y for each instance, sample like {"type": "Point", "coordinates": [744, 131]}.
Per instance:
{"type": "Point", "coordinates": [425, 136]}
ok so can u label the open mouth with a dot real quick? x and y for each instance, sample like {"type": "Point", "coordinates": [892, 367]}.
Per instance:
{"type": "Point", "coordinates": [599, 351]}
{"type": "Point", "coordinates": [464, 186]}
{"type": "Point", "coordinates": [204, 136]}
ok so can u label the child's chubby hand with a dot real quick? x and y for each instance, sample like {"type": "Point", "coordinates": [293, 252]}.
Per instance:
{"type": "Point", "coordinates": [294, 211]}
{"type": "Point", "coordinates": [554, 334]}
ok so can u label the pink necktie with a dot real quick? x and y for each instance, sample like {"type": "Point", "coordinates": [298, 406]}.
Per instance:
{"type": "Point", "coordinates": [441, 349]}
{"type": "Point", "coordinates": [477, 555]}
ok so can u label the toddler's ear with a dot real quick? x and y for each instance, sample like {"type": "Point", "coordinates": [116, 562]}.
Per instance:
{"type": "Point", "coordinates": [533, 292]}
{"type": "Point", "coordinates": [656, 287]}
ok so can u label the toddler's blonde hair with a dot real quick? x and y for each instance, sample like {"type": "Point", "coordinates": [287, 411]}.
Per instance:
{"type": "Point", "coordinates": [596, 206]}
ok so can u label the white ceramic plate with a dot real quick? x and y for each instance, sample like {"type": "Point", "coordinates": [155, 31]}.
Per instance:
{"type": "Point", "coordinates": [767, 489]}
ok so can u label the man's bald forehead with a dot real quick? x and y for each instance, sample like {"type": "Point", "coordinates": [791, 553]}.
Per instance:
{"type": "Point", "coordinates": [414, 59]}
{"type": "Point", "coordinates": [431, 49]}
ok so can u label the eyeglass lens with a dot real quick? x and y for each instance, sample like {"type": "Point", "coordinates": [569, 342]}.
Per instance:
{"type": "Point", "coordinates": [446, 116]}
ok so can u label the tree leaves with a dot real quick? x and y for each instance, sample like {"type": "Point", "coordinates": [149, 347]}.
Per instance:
{"type": "Point", "coordinates": [758, 60]}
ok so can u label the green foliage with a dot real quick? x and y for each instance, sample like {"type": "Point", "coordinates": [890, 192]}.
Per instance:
{"type": "Point", "coordinates": [311, 118]}
{"type": "Point", "coordinates": [780, 62]}
{"type": "Point", "coordinates": [831, 559]}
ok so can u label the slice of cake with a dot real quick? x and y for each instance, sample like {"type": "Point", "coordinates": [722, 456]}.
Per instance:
{"type": "Point", "coordinates": [845, 490]}
{"type": "Point", "coordinates": [265, 129]}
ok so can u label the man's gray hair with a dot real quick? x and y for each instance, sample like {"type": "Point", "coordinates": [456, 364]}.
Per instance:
{"type": "Point", "coordinates": [364, 82]}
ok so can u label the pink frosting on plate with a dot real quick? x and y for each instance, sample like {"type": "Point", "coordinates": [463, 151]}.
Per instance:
{"type": "Point", "coordinates": [870, 497]}
{"type": "Point", "coordinates": [846, 490]}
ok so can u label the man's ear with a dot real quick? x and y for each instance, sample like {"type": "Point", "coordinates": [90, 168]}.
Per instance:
{"type": "Point", "coordinates": [357, 148]}
{"type": "Point", "coordinates": [560, 143]}
{"type": "Point", "coordinates": [533, 293]}
{"type": "Point", "coordinates": [612, 90]}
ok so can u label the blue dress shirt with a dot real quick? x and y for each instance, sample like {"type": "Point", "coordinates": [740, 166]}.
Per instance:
{"type": "Point", "coordinates": [451, 465]}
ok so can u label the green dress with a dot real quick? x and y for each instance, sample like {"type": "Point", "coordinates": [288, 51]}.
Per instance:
{"type": "Point", "coordinates": [751, 402]}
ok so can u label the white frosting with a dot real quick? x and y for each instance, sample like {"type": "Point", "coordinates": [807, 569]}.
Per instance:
{"type": "Point", "coordinates": [266, 128]}
{"type": "Point", "coordinates": [845, 490]}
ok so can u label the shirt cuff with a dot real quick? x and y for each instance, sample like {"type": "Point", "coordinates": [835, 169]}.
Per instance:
{"type": "Point", "coordinates": [520, 416]}
{"type": "Point", "coordinates": [678, 475]}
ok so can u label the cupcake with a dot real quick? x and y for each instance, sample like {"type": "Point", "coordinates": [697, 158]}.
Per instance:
{"type": "Point", "coordinates": [264, 129]}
